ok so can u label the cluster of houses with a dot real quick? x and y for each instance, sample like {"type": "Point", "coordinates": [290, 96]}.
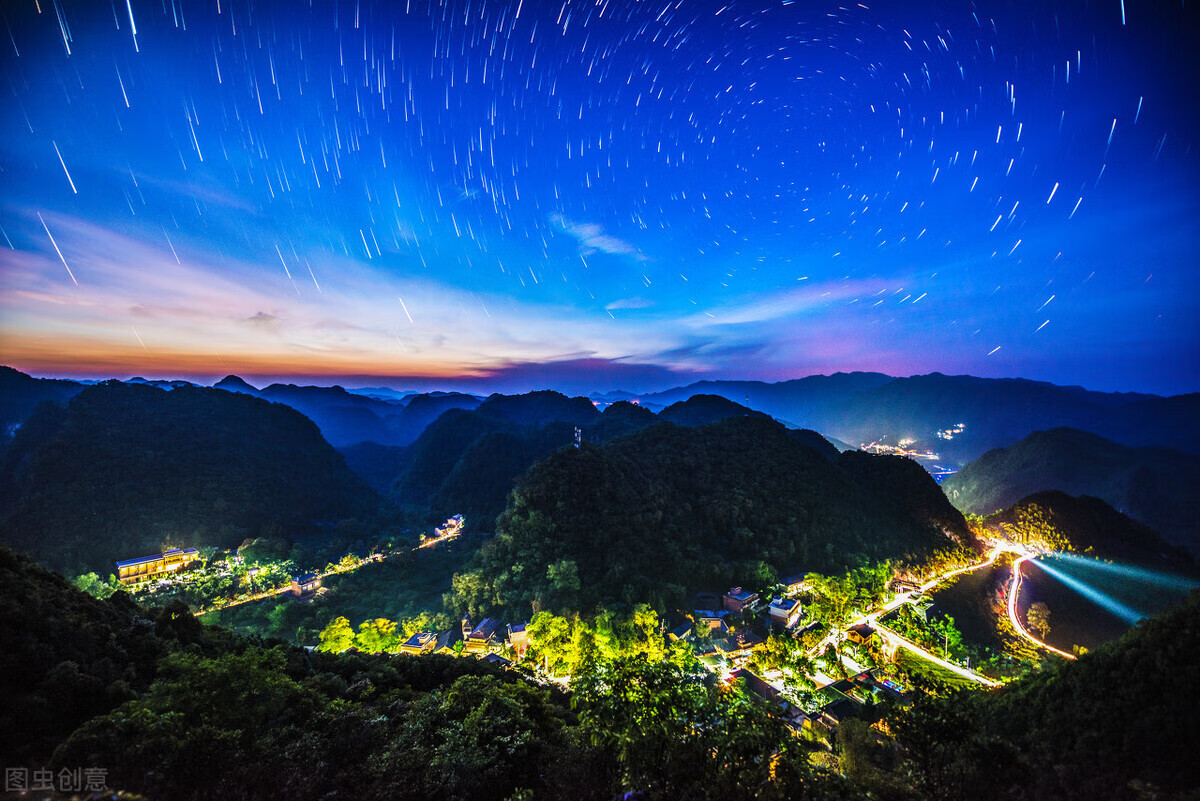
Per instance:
{"type": "Point", "coordinates": [727, 650]}
{"type": "Point", "coordinates": [722, 638]}
{"type": "Point", "coordinates": [485, 640]}
{"type": "Point", "coordinates": [723, 647]}
{"type": "Point", "coordinates": [720, 633]}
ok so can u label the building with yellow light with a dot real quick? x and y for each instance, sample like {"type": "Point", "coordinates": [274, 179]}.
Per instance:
{"type": "Point", "coordinates": [158, 564]}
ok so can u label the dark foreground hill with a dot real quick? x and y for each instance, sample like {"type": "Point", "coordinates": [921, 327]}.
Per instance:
{"type": "Point", "coordinates": [1156, 486]}
{"type": "Point", "coordinates": [1119, 724]}
{"type": "Point", "coordinates": [176, 711]}
{"type": "Point", "coordinates": [124, 469]}
{"type": "Point", "coordinates": [653, 514]}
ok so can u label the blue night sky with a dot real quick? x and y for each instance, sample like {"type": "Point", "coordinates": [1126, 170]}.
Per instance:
{"type": "Point", "coordinates": [607, 192]}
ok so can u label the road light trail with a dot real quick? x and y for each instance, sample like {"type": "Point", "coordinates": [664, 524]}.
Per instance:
{"type": "Point", "coordinates": [1013, 588]}
{"type": "Point", "coordinates": [900, 642]}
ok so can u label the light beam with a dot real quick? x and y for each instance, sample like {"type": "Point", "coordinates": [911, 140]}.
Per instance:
{"type": "Point", "coordinates": [1126, 613]}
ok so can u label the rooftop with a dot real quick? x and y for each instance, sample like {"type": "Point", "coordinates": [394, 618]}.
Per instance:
{"type": "Point", "coordinates": [158, 556]}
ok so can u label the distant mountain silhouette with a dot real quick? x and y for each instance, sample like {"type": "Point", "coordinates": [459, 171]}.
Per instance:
{"type": "Point", "coordinates": [232, 383]}
{"type": "Point", "coordinates": [800, 402]}
{"type": "Point", "coordinates": [538, 408]}
{"type": "Point", "coordinates": [349, 418]}
{"type": "Point", "coordinates": [864, 407]}
{"type": "Point", "coordinates": [700, 410]}
{"type": "Point", "coordinates": [468, 461]}
{"type": "Point", "coordinates": [124, 469]}
{"type": "Point", "coordinates": [1156, 486]}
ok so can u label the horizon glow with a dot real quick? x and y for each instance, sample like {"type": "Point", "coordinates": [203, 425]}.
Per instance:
{"type": "Point", "coordinates": [628, 194]}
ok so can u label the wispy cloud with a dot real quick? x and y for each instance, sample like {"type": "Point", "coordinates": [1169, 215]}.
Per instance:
{"type": "Point", "coordinates": [785, 304]}
{"type": "Point", "coordinates": [593, 238]}
{"type": "Point", "coordinates": [136, 305]}
{"type": "Point", "coordinates": [630, 303]}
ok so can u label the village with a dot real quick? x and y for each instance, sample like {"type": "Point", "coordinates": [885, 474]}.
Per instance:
{"type": "Point", "coordinates": [816, 663]}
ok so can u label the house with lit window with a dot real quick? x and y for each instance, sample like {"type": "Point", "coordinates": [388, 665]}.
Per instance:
{"type": "Point", "coordinates": [737, 600]}
{"type": "Point", "coordinates": [518, 639]}
{"type": "Point", "coordinates": [157, 565]}
{"type": "Point", "coordinates": [793, 584]}
{"type": "Point", "coordinates": [737, 647]}
{"type": "Point", "coordinates": [861, 634]}
{"type": "Point", "coordinates": [305, 586]}
{"type": "Point", "coordinates": [784, 611]}
{"type": "Point", "coordinates": [420, 643]}
{"type": "Point", "coordinates": [483, 638]}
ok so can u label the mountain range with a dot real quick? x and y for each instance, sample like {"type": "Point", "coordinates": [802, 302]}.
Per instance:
{"type": "Point", "coordinates": [854, 408]}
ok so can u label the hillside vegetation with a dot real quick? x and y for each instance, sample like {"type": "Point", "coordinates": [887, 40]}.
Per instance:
{"type": "Point", "coordinates": [1088, 525]}
{"type": "Point", "coordinates": [469, 460]}
{"type": "Point", "coordinates": [125, 469]}
{"type": "Point", "coordinates": [1119, 724]}
{"type": "Point", "coordinates": [653, 514]}
{"type": "Point", "coordinates": [177, 711]}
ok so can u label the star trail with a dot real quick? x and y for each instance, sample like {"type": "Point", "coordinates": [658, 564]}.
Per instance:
{"type": "Point", "coordinates": [658, 191]}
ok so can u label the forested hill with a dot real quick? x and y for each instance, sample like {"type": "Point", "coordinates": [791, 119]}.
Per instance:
{"type": "Point", "coordinates": [173, 710]}
{"type": "Point", "coordinates": [1091, 526]}
{"type": "Point", "coordinates": [665, 510]}
{"type": "Point", "coordinates": [124, 469]}
{"type": "Point", "coordinates": [1119, 724]}
{"type": "Point", "coordinates": [1156, 486]}
{"type": "Point", "coordinates": [468, 460]}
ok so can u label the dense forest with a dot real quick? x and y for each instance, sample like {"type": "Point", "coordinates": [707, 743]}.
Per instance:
{"type": "Point", "coordinates": [652, 515]}
{"type": "Point", "coordinates": [124, 469]}
{"type": "Point", "coordinates": [1118, 724]}
{"type": "Point", "coordinates": [468, 460]}
{"type": "Point", "coordinates": [177, 710]}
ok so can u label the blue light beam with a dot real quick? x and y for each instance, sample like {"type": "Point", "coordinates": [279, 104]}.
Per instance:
{"type": "Point", "coordinates": [1136, 573]}
{"type": "Point", "coordinates": [1126, 613]}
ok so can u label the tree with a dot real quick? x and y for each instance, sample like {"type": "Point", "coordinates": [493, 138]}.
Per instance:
{"type": "Point", "coordinates": [678, 734]}
{"type": "Point", "coordinates": [550, 640]}
{"type": "Point", "coordinates": [377, 636]}
{"type": "Point", "coordinates": [1038, 618]}
{"type": "Point", "coordinates": [337, 636]}
{"type": "Point", "coordinates": [564, 576]}
{"type": "Point", "coordinates": [93, 585]}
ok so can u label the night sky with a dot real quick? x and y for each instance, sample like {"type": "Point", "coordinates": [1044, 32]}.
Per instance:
{"type": "Point", "coordinates": [626, 194]}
